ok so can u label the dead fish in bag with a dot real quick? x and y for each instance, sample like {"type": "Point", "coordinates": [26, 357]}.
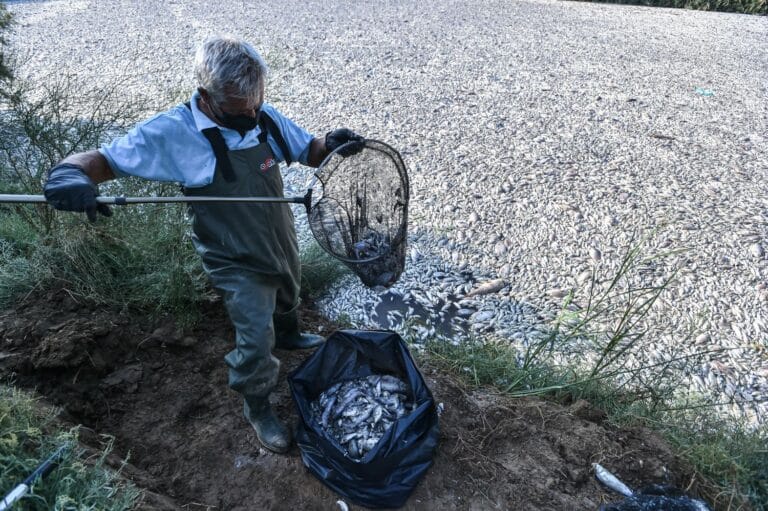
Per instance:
{"type": "Point", "coordinates": [357, 413]}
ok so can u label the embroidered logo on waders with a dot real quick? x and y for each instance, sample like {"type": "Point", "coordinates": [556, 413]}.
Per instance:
{"type": "Point", "coordinates": [268, 163]}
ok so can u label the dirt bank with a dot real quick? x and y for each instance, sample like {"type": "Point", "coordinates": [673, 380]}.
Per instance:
{"type": "Point", "coordinates": [161, 391]}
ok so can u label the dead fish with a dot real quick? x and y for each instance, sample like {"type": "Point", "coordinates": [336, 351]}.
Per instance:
{"type": "Point", "coordinates": [328, 409]}
{"type": "Point", "coordinates": [349, 397]}
{"type": "Point", "coordinates": [392, 384]}
{"type": "Point", "coordinates": [357, 413]}
{"type": "Point", "coordinates": [373, 244]}
{"type": "Point", "coordinates": [651, 498]}
{"type": "Point", "coordinates": [489, 287]}
{"type": "Point", "coordinates": [610, 480]}
{"type": "Point", "coordinates": [378, 411]}
{"type": "Point", "coordinates": [351, 436]}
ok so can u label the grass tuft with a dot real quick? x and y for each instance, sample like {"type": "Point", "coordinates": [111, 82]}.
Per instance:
{"type": "Point", "coordinates": [319, 270]}
{"type": "Point", "coordinates": [28, 435]}
{"type": "Point", "coordinates": [600, 348]}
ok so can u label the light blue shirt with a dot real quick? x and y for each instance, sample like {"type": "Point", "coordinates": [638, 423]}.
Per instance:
{"type": "Point", "coordinates": [171, 147]}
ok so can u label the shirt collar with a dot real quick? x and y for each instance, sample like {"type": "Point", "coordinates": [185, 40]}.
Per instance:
{"type": "Point", "coordinates": [202, 121]}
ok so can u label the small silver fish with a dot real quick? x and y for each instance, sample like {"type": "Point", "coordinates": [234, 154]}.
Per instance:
{"type": "Point", "coordinates": [370, 443]}
{"type": "Point", "coordinates": [611, 481]}
{"type": "Point", "coordinates": [361, 417]}
{"type": "Point", "coordinates": [350, 396]}
{"type": "Point", "coordinates": [358, 412]}
{"type": "Point", "coordinates": [378, 411]}
{"type": "Point", "coordinates": [351, 436]}
{"type": "Point", "coordinates": [328, 409]}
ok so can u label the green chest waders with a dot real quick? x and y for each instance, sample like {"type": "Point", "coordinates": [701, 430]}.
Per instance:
{"type": "Point", "coordinates": [250, 253]}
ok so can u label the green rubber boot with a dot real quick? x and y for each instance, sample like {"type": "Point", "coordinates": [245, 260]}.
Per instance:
{"type": "Point", "coordinates": [288, 336]}
{"type": "Point", "coordinates": [270, 430]}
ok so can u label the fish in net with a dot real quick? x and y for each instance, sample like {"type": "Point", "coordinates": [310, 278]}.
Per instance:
{"type": "Point", "coordinates": [361, 217]}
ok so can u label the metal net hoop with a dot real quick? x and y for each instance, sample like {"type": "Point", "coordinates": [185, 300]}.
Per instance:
{"type": "Point", "coordinates": [361, 215]}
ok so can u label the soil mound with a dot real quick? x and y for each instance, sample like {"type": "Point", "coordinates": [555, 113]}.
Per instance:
{"type": "Point", "coordinates": [162, 392]}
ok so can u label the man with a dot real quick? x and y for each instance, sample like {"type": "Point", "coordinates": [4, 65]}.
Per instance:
{"type": "Point", "coordinates": [224, 142]}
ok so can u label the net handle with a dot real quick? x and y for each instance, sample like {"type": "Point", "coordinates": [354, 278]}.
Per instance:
{"type": "Point", "coordinates": [306, 199]}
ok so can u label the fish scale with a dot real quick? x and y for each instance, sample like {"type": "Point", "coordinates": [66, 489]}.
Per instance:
{"type": "Point", "coordinates": [357, 413]}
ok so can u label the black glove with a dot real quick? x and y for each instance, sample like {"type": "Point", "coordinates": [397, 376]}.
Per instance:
{"type": "Point", "coordinates": [338, 137]}
{"type": "Point", "coordinates": [69, 189]}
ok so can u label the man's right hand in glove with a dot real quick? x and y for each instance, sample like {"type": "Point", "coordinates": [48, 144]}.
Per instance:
{"type": "Point", "coordinates": [69, 189]}
{"type": "Point", "coordinates": [321, 147]}
{"type": "Point", "coordinates": [341, 137]}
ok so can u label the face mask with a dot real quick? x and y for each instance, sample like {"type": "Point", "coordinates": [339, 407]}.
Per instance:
{"type": "Point", "coordinates": [241, 123]}
{"type": "Point", "coordinates": [238, 122]}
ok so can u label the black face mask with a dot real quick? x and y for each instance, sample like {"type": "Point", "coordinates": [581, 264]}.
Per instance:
{"type": "Point", "coordinates": [240, 122]}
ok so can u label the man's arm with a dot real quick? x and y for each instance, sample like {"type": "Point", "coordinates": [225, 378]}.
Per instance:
{"type": "Point", "coordinates": [317, 152]}
{"type": "Point", "coordinates": [94, 165]}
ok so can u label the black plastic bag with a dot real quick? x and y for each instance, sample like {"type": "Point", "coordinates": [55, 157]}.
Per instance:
{"type": "Point", "coordinates": [387, 475]}
{"type": "Point", "coordinates": [657, 497]}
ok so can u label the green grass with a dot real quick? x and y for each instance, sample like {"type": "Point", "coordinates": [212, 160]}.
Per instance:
{"type": "Point", "coordinates": [28, 435]}
{"type": "Point", "coordinates": [140, 258]}
{"type": "Point", "coordinates": [598, 349]}
{"type": "Point", "coordinates": [137, 259]}
{"type": "Point", "coordinates": [319, 270]}
{"type": "Point", "coordinates": [730, 458]}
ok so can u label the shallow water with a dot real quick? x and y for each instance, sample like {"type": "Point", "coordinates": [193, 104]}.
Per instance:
{"type": "Point", "coordinates": [394, 309]}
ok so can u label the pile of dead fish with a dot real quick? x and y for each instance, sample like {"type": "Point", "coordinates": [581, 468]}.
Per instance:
{"type": "Point", "coordinates": [374, 244]}
{"type": "Point", "coordinates": [357, 413]}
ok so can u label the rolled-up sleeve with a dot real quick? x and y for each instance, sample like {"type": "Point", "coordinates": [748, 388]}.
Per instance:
{"type": "Point", "coordinates": [163, 148]}
{"type": "Point", "coordinates": [141, 152]}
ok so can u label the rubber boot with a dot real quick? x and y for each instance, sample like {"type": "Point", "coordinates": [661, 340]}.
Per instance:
{"type": "Point", "coordinates": [270, 430]}
{"type": "Point", "coordinates": [288, 336]}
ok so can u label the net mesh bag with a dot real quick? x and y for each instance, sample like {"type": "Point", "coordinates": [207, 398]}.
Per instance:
{"type": "Point", "coordinates": [361, 217]}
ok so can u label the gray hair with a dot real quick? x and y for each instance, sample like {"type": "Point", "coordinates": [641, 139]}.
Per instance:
{"type": "Point", "coordinates": [228, 66]}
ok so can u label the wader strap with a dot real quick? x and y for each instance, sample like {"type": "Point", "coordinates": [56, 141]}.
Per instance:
{"type": "Point", "coordinates": [220, 150]}
{"type": "Point", "coordinates": [267, 125]}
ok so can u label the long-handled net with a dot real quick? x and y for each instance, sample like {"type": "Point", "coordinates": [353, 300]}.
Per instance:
{"type": "Point", "coordinates": [361, 216]}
